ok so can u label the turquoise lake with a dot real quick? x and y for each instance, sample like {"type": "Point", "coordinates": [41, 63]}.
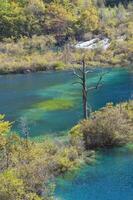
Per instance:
{"type": "Point", "coordinates": [110, 178]}
{"type": "Point", "coordinates": [51, 104]}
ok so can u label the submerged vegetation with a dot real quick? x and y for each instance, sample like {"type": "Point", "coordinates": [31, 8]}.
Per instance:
{"type": "Point", "coordinates": [41, 35]}
{"type": "Point", "coordinates": [55, 104]}
{"type": "Point", "coordinates": [28, 168]}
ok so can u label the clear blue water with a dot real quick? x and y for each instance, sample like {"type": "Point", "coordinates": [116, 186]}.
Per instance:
{"type": "Point", "coordinates": [111, 178]}
{"type": "Point", "coordinates": [20, 95]}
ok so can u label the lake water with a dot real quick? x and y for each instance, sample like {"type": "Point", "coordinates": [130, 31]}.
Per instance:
{"type": "Point", "coordinates": [50, 103]}
{"type": "Point", "coordinates": [110, 178]}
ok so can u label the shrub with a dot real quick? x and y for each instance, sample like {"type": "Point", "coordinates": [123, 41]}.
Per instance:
{"type": "Point", "coordinates": [13, 188]}
{"type": "Point", "coordinates": [111, 125]}
{"type": "Point", "coordinates": [66, 159]}
{"type": "Point", "coordinates": [58, 65]}
{"type": "Point", "coordinates": [76, 138]}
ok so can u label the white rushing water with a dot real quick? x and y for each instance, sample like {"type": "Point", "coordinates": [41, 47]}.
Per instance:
{"type": "Point", "coordinates": [94, 44]}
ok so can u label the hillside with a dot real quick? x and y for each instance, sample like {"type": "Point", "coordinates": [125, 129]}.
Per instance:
{"type": "Point", "coordinates": [40, 34]}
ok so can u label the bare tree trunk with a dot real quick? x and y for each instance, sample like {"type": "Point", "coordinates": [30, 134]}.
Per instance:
{"type": "Point", "coordinates": [81, 74]}
{"type": "Point", "coordinates": [84, 92]}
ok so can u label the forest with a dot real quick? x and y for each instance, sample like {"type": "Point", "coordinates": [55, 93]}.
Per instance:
{"type": "Point", "coordinates": [39, 35]}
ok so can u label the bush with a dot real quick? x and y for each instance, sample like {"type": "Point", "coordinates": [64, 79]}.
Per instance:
{"type": "Point", "coordinates": [58, 65]}
{"type": "Point", "coordinates": [76, 138]}
{"type": "Point", "coordinates": [27, 167]}
{"type": "Point", "coordinates": [112, 125]}
{"type": "Point", "coordinates": [13, 188]}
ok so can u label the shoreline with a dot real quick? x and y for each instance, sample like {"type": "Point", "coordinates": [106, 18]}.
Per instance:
{"type": "Point", "coordinates": [53, 69]}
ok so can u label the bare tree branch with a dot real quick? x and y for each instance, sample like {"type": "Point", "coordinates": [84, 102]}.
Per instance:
{"type": "Point", "coordinates": [94, 87]}
{"type": "Point", "coordinates": [80, 70]}
{"type": "Point", "coordinates": [77, 82]}
{"type": "Point", "coordinates": [88, 71]}
{"type": "Point", "coordinates": [91, 88]}
{"type": "Point", "coordinates": [100, 79]}
{"type": "Point", "coordinates": [76, 74]}
{"type": "Point", "coordinates": [99, 84]}
{"type": "Point", "coordinates": [81, 73]}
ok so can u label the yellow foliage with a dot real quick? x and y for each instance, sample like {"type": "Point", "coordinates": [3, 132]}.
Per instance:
{"type": "Point", "coordinates": [4, 125]}
{"type": "Point", "coordinates": [13, 188]}
{"type": "Point", "coordinates": [89, 19]}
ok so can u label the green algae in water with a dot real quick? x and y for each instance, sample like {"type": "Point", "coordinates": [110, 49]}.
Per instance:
{"type": "Point", "coordinates": [33, 114]}
{"type": "Point", "coordinates": [29, 90]}
{"type": "Point", "coordinates": [55, 104]}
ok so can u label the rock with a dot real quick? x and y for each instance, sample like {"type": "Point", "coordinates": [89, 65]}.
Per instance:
{"type": "Point", "coordinates": [94, 44]}
{"type": "Point", "coordinates": [26, 71]}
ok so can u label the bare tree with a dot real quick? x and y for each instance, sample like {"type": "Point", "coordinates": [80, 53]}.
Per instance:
{"type": "Point", "coordinates": [81, 74]}
{"type": "Point", "coordinates": [25, 129]}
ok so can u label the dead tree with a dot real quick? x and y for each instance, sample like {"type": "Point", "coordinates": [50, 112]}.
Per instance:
{"type": "Point", "coordinates": [25, 129]}
{"type": "Point", "coordinates": [81, 74]}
